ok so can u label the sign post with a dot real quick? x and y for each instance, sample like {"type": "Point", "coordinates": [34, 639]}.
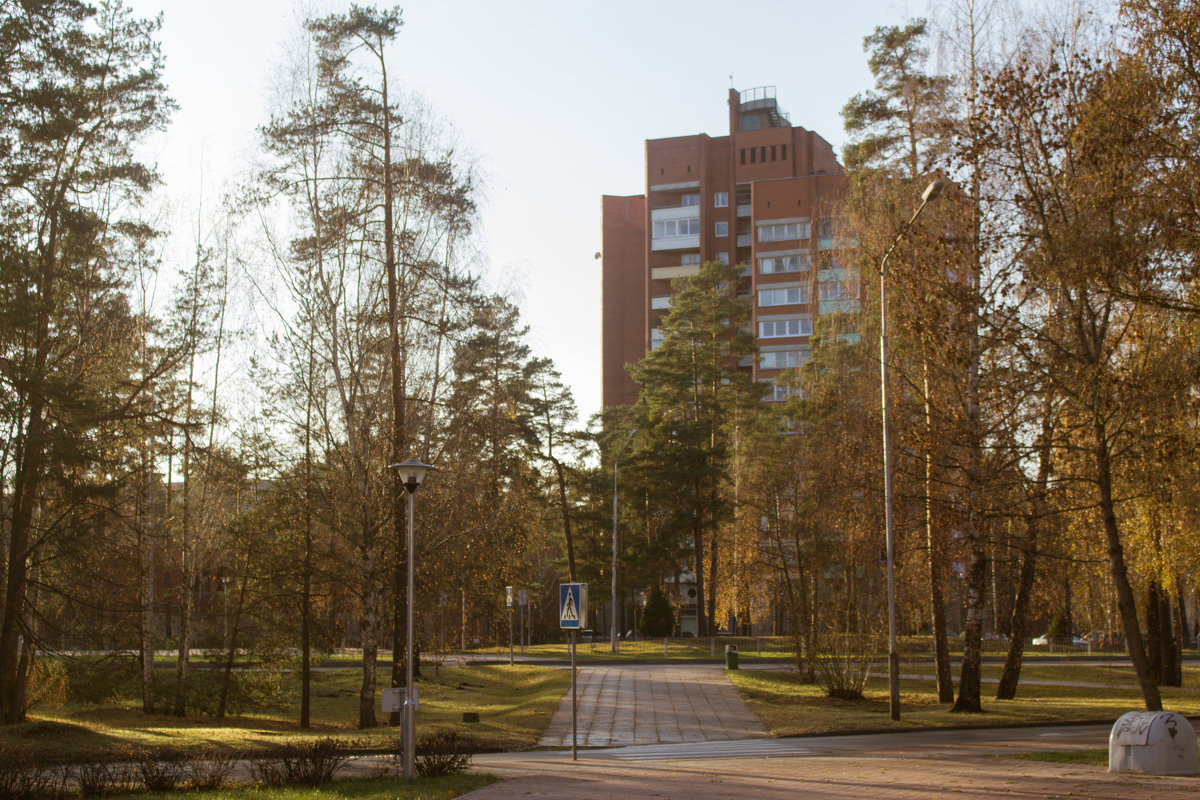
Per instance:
{"type": "Point", "coordinates": [522, 604]}
{"type": "Point", "coordinates": [572, 617]}
{"type": "Point", "coordinates": [508, 601]}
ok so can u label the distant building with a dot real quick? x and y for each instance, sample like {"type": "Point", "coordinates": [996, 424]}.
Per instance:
{"type": "Point", "coordinates": [763, 196]}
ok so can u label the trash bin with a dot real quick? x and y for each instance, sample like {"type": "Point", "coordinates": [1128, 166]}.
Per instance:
{"type": "Point", "coordinates": [731, 656]}
{"type": "Point", "coordinates": [1155, 742]}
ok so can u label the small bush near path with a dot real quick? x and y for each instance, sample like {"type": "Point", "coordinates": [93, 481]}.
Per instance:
{"type": "Point", "coordinates": [444, 753]}
{"type": "Point", "coordinates": [309, 763]}
{"type": "Point", "coordinates": [22, 778]}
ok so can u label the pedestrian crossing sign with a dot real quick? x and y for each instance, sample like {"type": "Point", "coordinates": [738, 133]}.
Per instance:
{"type": "Point", "coordinates": [572, 606]}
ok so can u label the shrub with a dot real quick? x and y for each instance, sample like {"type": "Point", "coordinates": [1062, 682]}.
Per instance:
{"type": "Point", "coordinates": [22, 779]}
{"type": "Point", "coordinates": [843, 661]}
{"type": "Point", "coordinates": [308, 763]}
{"type": "Point", "coordinates": [658, 617]}
{"type": "Point", "coordinates": [161, 770]}
{"type": "Point", "coordinates": [110, 774]}
{"type": "Point", "coordinates": [444, 753]}
{"type": "Point", "coordinates": [209, 769]}
{"type": "Point", "coordinates": [47, 684]}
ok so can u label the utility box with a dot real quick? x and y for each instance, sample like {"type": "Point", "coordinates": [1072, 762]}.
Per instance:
{"type": "Point", "coordinates": [1155, 742]}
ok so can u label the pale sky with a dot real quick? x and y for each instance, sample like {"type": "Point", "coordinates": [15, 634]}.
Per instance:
{"type": "Point", "coordinates": [555, 98]}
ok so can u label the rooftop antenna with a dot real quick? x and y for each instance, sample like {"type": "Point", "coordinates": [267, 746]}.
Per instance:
{"type": "Point", "coordinates": [731, 80]}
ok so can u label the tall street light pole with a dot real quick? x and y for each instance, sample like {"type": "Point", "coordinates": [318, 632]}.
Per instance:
{"type": "Point", "coordinates": [615, 645]}
{"type": "Point", "coordinates": [932, 191]}
{"type": "Point", "coordinates": [412, 473]}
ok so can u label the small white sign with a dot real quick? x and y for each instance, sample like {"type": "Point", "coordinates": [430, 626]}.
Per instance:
{"type": "Point", "coordinates": [392, 699]}
{"type": "Point", "coordinates": [508, 596]}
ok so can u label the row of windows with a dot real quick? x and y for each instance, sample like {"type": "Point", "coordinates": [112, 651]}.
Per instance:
{"type": "Point", "coordinates": [781, 328]}
{"type": "Point", "coordinates": [758, 154]}
{"type": "Point", "coordinates": [780, 264]}
{"type": "Point", "coordinates": [784, 297]}
{"type": "Point", "coordinates": [670, 228]}
{"type": "Point", "coordinates": [779, 393]}
{"type": "Point", "coordinates": [782, 359]}
{"type": "Point", "coordinates": [784, 231]}
{"type": "Point", "coordinates": [720, 200]}
{"type": "Point", "coordinates": [838, 290]}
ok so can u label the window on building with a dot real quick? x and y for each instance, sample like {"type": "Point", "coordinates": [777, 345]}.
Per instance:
{"type": "Point", "coordinates": [783, 297]}
{"type": "Point", "coordinates": [782, 359]}
{"type": "Point", "coordinates": [656, 338]}
{"type": "Point", "coordinates": [783, 150]}
{"type": "Point", "coordinates": [772, 152]}
{"type": "Point", "coordinates": [690, 200]}
{"type": "Point", "coordinates": [825, 229]}
{"type": "Point", "coordinates": [743, 155]}
{"type": "Point", "coordinates": [781, 328]}
{"type": "Point", "coordinates": [838, 290]}
{"type": "Point", "coordinates": [721, 200]}
{"type": "Point", "coordinates": [670, 228]}
{"type": "Point", "coordinates": [723, 257]}
{"type": "Point", "coordinates": [780, 392]}
{"type": "Point", "coordinates": [661, 302]}
{"type": "Point", "coordinates": [784, 231]}
{"type": "Point", "coordinates": [690, 259]}
{"type": "Point", "coordinates": [753, 153]}
{"type": "Point", "coordinates": [774, 265]}
{"type": "Point", "coordinates": [722, 229]}
{"type": "Point", "coordinates": [743, 194]}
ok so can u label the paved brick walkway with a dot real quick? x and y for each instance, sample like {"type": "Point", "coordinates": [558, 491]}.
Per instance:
{"type": "Point", "coordinates": [645, 704]}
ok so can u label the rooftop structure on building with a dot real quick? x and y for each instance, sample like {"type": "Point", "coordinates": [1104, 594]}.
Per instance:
{"type": "Point", "coordinates": [763, 196]}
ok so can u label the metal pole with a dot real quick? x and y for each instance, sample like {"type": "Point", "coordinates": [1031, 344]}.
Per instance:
{"type": "Point", "coordinates": [574, 702]}
{"type": "Point", "coordinates": [893, 654]}
{"type": "Point", "coordinates": [410, 709]}
{"type": "Point", "coordinates": [933, 190]}
{"type": "Point", "coordinates": [510, 636]}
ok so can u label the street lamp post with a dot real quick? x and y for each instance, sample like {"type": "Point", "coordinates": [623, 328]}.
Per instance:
{"type": "Point", "coordinates": [932, 191]}
{"type": "Point", "coordinates": [412, 473]}
{"type": "Point", "coordinates": [615, 645]}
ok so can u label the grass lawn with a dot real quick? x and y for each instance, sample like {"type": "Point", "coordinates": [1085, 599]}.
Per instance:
{"type": "Point", "coordinates": [356, 789]}
{"type": "Point", "coordinates": [789, 707]}
{"type": "Point", "coordinates": [514, 704]}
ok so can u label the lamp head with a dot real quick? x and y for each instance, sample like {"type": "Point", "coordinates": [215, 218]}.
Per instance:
{"type": "Point", "coordinates": [412, 472]}
{"type": "Point", "coordinates": [933, 190]}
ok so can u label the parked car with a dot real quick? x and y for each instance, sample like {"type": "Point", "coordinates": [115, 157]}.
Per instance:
{"type": "Point", "coordinates": [1046, 639]}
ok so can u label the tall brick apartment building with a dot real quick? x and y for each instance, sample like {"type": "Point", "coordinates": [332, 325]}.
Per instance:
{"type": "Point", "coordinates": [763, 196]}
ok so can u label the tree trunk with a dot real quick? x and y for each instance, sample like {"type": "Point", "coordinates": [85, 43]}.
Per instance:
{"type": "Point", "coordinates": [937, 601]}
{"type": "Point", "coordinates": [370, 643]}
{"type": "Point", "coordinates": [231, 649]}
{"type": "Point", "coordinates": [1120, 574]}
